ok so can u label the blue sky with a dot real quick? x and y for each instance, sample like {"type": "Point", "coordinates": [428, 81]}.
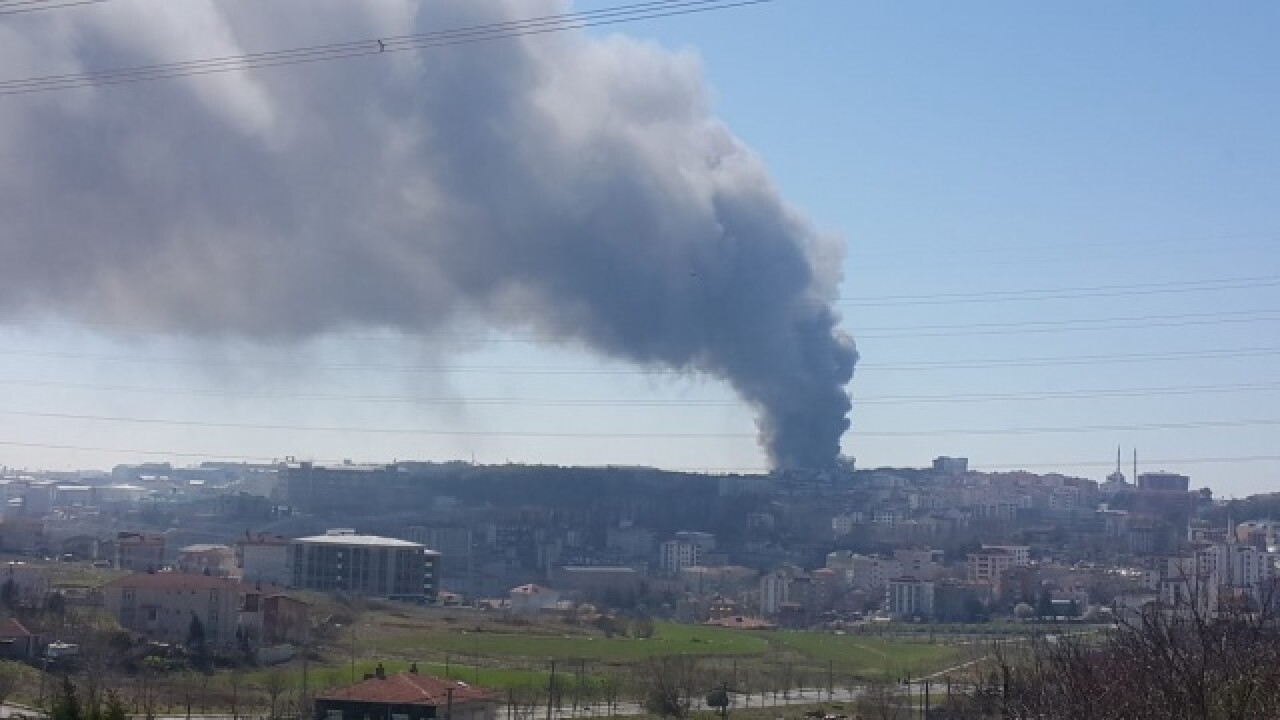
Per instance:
{"type": "Point", "coordinates": [956, 149]}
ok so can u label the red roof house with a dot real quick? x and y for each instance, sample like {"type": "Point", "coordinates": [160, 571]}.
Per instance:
{"type": "Point", "coordinates": [406, 696]}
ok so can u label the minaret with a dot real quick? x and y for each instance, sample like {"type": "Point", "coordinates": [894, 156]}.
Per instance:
{"type": "Point", "coordinates": [1117, 477]}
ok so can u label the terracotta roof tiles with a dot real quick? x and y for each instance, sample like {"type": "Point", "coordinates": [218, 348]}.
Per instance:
{"type": "Point", "coordinates": [408, 689]}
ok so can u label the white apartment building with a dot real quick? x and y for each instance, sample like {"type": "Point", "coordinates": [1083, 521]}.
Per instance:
{"type": "Point", "coordinates": [774, 590]}
{"type": "Point", "coordinates": [844, 523]}
{"type": "Point", "coordinates": [265, 559]}
{"type": "Point", "coordinates": [1214, 573]}
{"type": "Point", "coordinates": [676, 555]}
{"type": "Point", "coordinates": [685, 550]}
{"type": "Point", "coordinates": [1021, 553]}
{"type": "Point", "coordinates": [343, 561]}
{"type": "Point", "coordinates": [1065, 498]}
{"type": "Point", "coordinates": [910, 598]}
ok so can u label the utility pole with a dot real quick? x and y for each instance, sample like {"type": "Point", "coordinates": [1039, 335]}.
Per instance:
{"type": "Point", "coordinates": [551, 686]}
{"type": "Point", "coordinates": [302, 699]}
{"type": "Point", "coordinates": [353, 653]}
{"type": "Point", "coordinates": [448, 708]}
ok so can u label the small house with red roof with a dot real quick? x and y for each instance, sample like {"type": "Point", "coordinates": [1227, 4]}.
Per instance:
{"type": "Point", "coordinates": [16, 641]}
{"type": "Point", "coordinates": [406, 696]}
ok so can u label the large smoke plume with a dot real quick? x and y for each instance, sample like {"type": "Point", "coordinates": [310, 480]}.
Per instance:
{"type": "Point", "coordinates": [571, 186]}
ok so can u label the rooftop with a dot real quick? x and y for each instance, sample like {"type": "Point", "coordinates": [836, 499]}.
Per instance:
{"type": "Point", "coordinates": [11, 628]}
{"type": "Point", "coordinates": [203, 548]}
{"type": "Point", "coordinates": [174, 581]}
{"type": "Point", "coordinates": [357, 540]}
{"type": "Point", "coordinates": [408, 689]}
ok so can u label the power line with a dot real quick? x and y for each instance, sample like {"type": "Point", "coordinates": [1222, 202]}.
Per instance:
{"type": "Point", "coordinates": [376, 46]}
{"type": "Point", "coordinates": [1035, 361]}
{"type": "Point", "coordinates": [1171, 462]}
{"type": "Point", "coordinates": [1141, 322]}
{"type": "Point", "coordinates": [959, 398]}
{"type": "Point", "coordinates": [1067, 394]}
{"type": "Point", "coordinates": [1215, 244]}
{"type": "Point", "coordinates": [1170, 287]}
{"type": "Point", "coordinates": [1093, 291]}
{"type": "Point", "coordinates": [1050, 361]}
{"type": "Point", "coordinates": [894, 332]}
{"type": "Point", "coordinates": [1129, 322]}
{"type": "Point", "coordinates": [28, 6]}
{"type": "Point", "coordinates": [669, 435]}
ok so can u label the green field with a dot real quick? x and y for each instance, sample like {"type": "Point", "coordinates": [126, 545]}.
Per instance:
{"type": "Point", "coordinates": [337, 674]}
{"type": "Point", "coordinates": [669, 639]}
{"type": "Point", "coordinates": [867, 656]}
{"type": "Point", "coordinates": [498, 655]}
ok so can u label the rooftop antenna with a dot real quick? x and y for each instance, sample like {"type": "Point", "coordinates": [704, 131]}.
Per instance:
{"type": "Point", "coordinates": [1135, 466]}
{"type": "Point", "coordinates": [1117, 459]}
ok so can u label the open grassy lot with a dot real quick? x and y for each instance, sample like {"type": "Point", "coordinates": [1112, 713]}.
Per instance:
{"type": "Point", "coordinates": [81, 575]}
{"type": "Point", "coordinates": [338, 673]}
{"type": "Point", "coordinates": [867, 656]}
{"type": "Point", "coordinates": [531, 643]}
{"type": "Point", "coordinates": [498, 651]}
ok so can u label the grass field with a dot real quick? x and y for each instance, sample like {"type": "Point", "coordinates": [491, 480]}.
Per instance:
{"type": "Point", "coordinates": [81, 575]}
{"type": "Point", "coordinates": [866, 656]}
{"type": "Point", "coordinates": [500, 652]}
{"type": "Point", "coordinates": [337, 674]}
{"type": "Point", "coordinates": [669, 639]}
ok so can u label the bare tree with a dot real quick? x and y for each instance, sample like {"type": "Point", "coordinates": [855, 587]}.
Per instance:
{"type": "Point", "coordinates": [1167, 662]}
{"type": "Point", "coordinates": [880, 700]}
{"type": "Point", "coordinates": [147, 687]}
{"type": "Point", "coordinates": [235, 680]}
{"type": "Point", "coordinates": [611, 684]}
{"type": "Point", "coordinates": [9, 682]}
{"type": "Point", "coordinates": [667, 685]}
{"type": "Point", "coordinates": [274, 685]}
{"type": "Point", "coordinates": [187, 685]}
{"type": "Point", "coordinates": [525, 702]}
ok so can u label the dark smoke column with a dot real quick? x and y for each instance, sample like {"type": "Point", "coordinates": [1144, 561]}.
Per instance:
{"type": "Point", "coordinates": [786, 355]}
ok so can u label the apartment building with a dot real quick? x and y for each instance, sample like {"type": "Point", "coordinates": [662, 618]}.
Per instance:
{"type": "Point", "coordinates": [685, 550]}
{"type": "Point", "coordinates": [139, 552]}
{"type": "Point", "coordinates": [207, 559]}
{"type": "Point", "coordinates": [1216, 574]}
{"type": "Point", "coordinates": [986, 567]}
{"type": "Point", "coordinates": [909, 597]}
{"type": "Point", "coordinates": [264, 559]}
{"type": "Point", "coordinates": [161, 605]}
{"type": "Point", "coordinates": [343, 561]}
